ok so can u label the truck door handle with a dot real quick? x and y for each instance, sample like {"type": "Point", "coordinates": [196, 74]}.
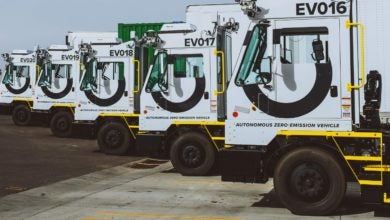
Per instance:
{"type": "Point", "coordinates": [206, 95]}
{"type": "Point", "coordinates": [334, 91]}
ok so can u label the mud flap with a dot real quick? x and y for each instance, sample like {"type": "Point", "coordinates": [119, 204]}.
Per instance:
{"type": "Point", "coordinates": [372, 194]}
{"type": "Point", "coordinates": [5, 109]}
{"type": "Point", "coordinates": [238, 165]}
{"type": "Point", "coordinates": [150, 144]}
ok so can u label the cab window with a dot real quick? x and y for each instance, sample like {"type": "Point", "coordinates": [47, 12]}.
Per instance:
{"type": "Point", "coordinates": [304, 45]}
{"type": "Point", "coordinates": [58, 71]}
{"type": "Point", "coordinates": [13, 71]}
{"type": "Point", "coordinates": [188, 66]}
{"type": "Point", "coordinates": [97, 71]}
{"type": "Point", "coordinates": [158, 80]}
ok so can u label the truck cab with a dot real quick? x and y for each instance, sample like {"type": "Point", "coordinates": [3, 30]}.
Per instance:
{"type": "Point", "coordinates": [108, 97]}
{"type": "Point", "coordinates": [290, 75]}
{"type": "Point", "coordinates": [18, 84]}
{"type": "Point", "coordinates": [55, 87]}
{"type": "Point", "coordinates": [111, 78]}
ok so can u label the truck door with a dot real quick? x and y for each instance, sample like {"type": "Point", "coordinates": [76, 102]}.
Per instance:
{"type": "Point", "coordinates": [307, 80]}
{"type": "Point", "coordinates": [224, 43]}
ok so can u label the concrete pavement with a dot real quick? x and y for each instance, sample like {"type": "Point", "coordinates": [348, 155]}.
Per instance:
{"type": "Point", "coordinates": [123, 193]}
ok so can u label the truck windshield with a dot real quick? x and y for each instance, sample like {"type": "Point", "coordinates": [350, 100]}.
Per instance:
{"type": "Point", "coordinates": [45, 78]}
{"type": "Point", "coordinates": [158, 77]}
{"type": "Point", "coordinates": [15, 71]}
{"type": "Point", "coordinates": [8, 76]}
{"type": "Point", "coordinates": [89, 81]}
{"type": "Point", "coordinates": [254, 68]}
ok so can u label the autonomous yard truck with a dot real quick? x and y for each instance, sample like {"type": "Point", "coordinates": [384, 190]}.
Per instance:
{"type": "Point", "coordinates": [111, 78]}
{"type": "Point", "coordinates": [185, 90]}
{"type": "Point", "coordinates": [307, 104]}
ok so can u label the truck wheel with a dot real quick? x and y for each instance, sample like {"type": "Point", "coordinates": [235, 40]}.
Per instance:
{"type": "Point", "coordinates": [61, 124]}
{"type": "Point", "coordinates": [21, 115]}
{"type": "Point", "coordinates": [192, 154]}
{"type": "Point", "coordinates": [310, 181]}
{"type": "Point", "coordinates": [114, 139]}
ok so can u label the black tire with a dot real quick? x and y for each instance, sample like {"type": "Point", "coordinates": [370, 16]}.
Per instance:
{"type": "Point", "coordinates": [310, 181]}
{"type": "Point", "coordinates": [61, 124]}
{"type": "Point", "coordinates": [21, 115]}
{"type": "Point", "coordinates": [114, 138]}
{"type": "Point", "coordinates": [193, 154]}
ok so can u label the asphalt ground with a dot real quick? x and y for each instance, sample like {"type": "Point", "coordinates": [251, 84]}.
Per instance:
{"type": "Point", "coordinates": [31, 157]}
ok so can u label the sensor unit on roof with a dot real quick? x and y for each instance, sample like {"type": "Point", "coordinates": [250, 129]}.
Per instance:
{"type": "Point", "coordinates": [249, 7]}
{"type": "Point", "coordinates": [21, 52]}
{"type": "Point", "coordinates": [177, 28]}
{"type": "Point", "coordinates": [60, 47]}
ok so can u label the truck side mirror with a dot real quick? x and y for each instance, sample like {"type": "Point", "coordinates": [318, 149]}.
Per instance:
{"type": "Point", "coordinates": [318, 51]}
{"type": "Point", "coordinates": [265, 74]}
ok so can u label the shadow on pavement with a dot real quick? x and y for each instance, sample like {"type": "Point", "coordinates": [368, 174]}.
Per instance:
{"type": "Point", "coordinates": [351, 205]}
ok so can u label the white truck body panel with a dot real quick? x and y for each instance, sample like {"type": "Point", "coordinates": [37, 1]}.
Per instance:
{"type": "Point", "coordinates": [74, 39]}
{"type": "Point", "coordinates": [64, 78]}
{"type": "Point", "coordinates": [256, 113]}
{"type": "Point", "coordinates": [21, 86]}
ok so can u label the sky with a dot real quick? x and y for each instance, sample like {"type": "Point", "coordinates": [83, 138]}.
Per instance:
{"type": "Point", "coordinates": [27, 23]}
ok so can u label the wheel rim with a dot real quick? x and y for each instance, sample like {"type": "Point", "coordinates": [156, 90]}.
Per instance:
{"type": "Point", "coordinates": [21, 116]}
{"type": "Point", "coordinates": [192, 155]}
{"type": "Point", "coordinates": [113, 139]}
{"type": "Point", "coordinates": [309, 182]}
{"type": "Point", "coordinates": [62, 124]}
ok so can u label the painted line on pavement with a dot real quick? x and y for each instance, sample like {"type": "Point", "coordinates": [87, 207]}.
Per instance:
{"type": "Point", "coordinates": [155, 215]}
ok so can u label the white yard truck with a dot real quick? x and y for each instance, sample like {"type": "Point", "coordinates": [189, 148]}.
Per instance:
{"type": "Point", "coordinates": [111, 78]}
{"type": "Point", "coordinates": [184, 93]}
{"type": "Point", "coordinates": [105, 96]}
{"type": "Point", "coordinates": [58, 76]}
{"type": "Point", "coordinates": [17, 85]}
{"type": "Point", "coordinates": [307, 103]}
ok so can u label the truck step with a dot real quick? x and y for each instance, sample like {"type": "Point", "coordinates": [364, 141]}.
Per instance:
{"type": "Point", "coordinates": [386, 199]}
{"type": "Point", "coordinates": [218, 138]}
{"type": "Point", "coordinates": [377, 168]}
{"type": "Point", "coordinates": [371, 182]}
{"type": "Point", "coordinates": [361, 158]}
